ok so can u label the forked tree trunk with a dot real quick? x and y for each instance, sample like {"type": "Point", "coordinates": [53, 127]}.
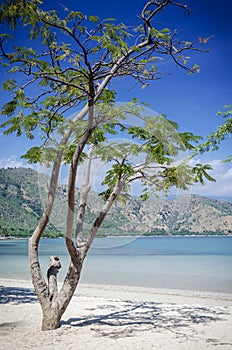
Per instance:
{"type": "Point", "coordinates": [54, 310]}
{"type": "Point", "coordinates": [52, 301]}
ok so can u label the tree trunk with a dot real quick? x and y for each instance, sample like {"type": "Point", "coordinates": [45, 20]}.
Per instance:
{"type": "Point", "coordinates": [53, 269]}
{"type": "Point", "coordinates": [51, 317]}
{"type": "Point", "coordinates": [53, 302]}
{"type": "Point", "coordinates": [59, 301]}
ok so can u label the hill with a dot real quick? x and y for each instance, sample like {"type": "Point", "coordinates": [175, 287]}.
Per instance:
{"type": "Point", "coordinates": [23, 192]}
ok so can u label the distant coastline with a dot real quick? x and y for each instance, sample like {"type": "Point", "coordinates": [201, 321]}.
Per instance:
{"type": "Point", "coordinates": [2, 238]}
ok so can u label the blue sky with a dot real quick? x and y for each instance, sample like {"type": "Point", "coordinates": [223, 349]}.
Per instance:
{"type": "Point", "coordinates": [190, 100]}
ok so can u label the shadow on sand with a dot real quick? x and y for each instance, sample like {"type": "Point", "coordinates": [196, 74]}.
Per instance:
{"type": "Point", "coordinates": [17, 295]}
{"type": "Point", "coordinates": [117, 319]}
{"type": "Point", "coordinates": [134, 317]}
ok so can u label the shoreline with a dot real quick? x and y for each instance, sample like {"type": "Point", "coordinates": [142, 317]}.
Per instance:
{"type": "Point", "coordinates": [114, 317]}
{"type": "Point", "coordinates": [9, 238]}
{"type": "Point", "coordinates": [136, 293]}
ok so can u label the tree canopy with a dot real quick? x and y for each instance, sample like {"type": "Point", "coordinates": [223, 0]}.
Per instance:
{"type": "Point", "coordinates": [77, 58]}
{"type": "Point", "coordinates": [222, 133]}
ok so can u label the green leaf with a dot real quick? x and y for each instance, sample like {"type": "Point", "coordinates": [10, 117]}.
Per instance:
{"type": "Point", "coordinates": [145, 195]}
{"type": "Point", "coordinates": [75, 14]}
{"type": "Point", "coordinates": [195, 68]}
{"type": "Point", "coordinates": [61, 57]}
{"type": "Point", "coordinates": [14, 69]}
{"type": "Point", "coordinates": [200, 172]}
{"type": "Point", "coordinates": [33, 155]}
{"type": "Point", "coordinates": [110, 19]}
{"type": "Point", "coordinates": [9, 108]}
{"type": "Point", "coordinates": [43, 82]}
{"type": "Point", "coordinates": [165, 30]}
{"type": "Point", "coordinates": [107, 96]}
{"type": "Point", "coordinates": [97, 137]}
{"type": "Point", "coordinates": [9, 85]}
{"type": "Point", "coordinates": [93, 19]}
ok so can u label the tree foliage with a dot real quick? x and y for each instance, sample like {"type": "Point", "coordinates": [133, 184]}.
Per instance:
{"type": "Point", "coordinates": [222, 133]}
{"type": "Point", "coordinates": [77, 57]}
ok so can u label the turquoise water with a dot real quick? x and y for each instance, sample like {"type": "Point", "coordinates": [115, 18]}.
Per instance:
{"type": "Point", "coordinates": [190, 263]}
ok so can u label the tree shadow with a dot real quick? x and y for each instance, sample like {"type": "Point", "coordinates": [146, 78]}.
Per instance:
{"type": "Point", "coordinates": [15, 295]}
{"type": "Point", "coordinates": [126, 318]}
{"type": "Point", "coordinates": [130, 318]}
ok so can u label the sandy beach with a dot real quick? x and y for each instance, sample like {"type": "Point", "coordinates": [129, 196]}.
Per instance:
{"type": "Point", "coordinates": [118, 317]}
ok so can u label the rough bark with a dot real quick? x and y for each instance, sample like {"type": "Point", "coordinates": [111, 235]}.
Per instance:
{"type": "Point", "coordinates": [69, 285]}
{"type": "Point", "coordinates": [53, 269]}
{"type": "Point", "coordinates": [51, 314]}
{"type": "Point", "coordinates": [41, 287]}
{"type": "Point", "coordinates": [51, 318]}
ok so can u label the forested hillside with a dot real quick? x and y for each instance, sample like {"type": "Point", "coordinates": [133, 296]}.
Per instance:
{"type": "Point", "coordinates": [23, 192]}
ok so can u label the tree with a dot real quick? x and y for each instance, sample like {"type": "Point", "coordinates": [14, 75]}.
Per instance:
{"type": "Point", "coordinates": [222, 132]}
{"type": "Point", "coordinates": [70, 67]}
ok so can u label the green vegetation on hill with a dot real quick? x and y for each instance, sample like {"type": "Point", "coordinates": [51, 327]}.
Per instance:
{"type": "Point", "coordinates": [23, 191]}
{"type": "Point", "coordinates": [20, 202]}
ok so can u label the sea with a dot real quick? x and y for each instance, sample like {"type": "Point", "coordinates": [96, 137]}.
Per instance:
{"type": "Point", "coordinates": [185, 263]}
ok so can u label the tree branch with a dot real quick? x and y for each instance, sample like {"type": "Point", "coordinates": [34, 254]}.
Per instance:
{"type": "Point", "coordinates": [71, 195]}
{"type": "Point", "coordinates": [83, 198]}
{"type": "Point", "coordinates": [99, 220]}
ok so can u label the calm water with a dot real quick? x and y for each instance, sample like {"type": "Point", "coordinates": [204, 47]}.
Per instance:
{"type": "Point", "coordinates": [191, 263]}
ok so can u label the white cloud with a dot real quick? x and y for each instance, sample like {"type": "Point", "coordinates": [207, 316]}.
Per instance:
{"type": "Point", "coordinates": [11, 162]}
{"type": "Point", "coordinates": [222, 173]}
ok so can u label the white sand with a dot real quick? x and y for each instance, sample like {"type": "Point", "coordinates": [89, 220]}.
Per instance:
{"type": "Point", "coordinates": [114, 317]}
